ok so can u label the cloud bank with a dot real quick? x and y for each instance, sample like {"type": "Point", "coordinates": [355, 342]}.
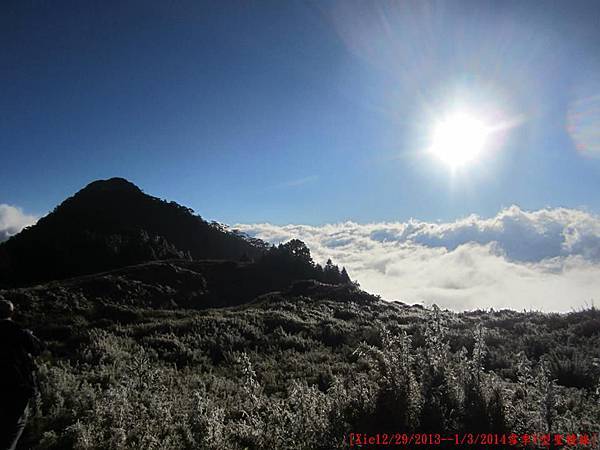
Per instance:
{"type": "Point", "coordinates": [13, 220]}
{"type": "Point", "coordinates": [545, 260]}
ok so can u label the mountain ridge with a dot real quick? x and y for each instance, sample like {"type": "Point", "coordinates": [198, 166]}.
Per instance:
{"type": "Point", "coordinates": [112, 224]}
{"type": "Point", "coordinates": [109, 224]}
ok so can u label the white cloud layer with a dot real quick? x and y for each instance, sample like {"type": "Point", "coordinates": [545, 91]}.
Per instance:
{"type": "Point", "coordinates": [545, 260]}
{"type": "Point", "coordinates": [13, 220]}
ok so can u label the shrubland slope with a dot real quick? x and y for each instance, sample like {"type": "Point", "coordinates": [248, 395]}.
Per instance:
{"type": "Point", "coordinates": [131, 365]}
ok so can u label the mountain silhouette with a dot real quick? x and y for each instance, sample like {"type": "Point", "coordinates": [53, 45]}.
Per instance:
{"type": "Point", "coordinates": [111, 224]}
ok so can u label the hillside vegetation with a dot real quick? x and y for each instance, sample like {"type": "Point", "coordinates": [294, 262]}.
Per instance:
{"type": "Point", "coordinates": [298, 368]}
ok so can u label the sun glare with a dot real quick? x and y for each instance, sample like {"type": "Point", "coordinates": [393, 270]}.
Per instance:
{"type": "Point", "coordinates": [458, 139]}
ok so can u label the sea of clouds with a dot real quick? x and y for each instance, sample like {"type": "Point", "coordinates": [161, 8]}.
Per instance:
{"type": "Point", "coordinates": [544, 260]}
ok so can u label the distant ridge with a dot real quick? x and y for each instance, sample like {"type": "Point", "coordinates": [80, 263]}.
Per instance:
{"type": "Point", "coordinates": [110, 224]}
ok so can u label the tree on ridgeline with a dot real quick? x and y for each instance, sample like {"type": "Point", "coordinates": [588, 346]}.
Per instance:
{"type": "Point", "coordinates": [331, 273]}
{"type": "Point", "coordinates": [292, 261]}
{"type": "Point", "coordinates": [344, 277]}
{"type": "Point", "coordinates": [297, 250]}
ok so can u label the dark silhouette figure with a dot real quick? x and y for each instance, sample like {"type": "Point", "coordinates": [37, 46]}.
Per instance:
{"type": "Point", "coordinates": [17, 377]}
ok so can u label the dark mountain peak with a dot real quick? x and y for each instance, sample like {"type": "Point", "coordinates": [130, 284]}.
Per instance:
{"type": "Point", "coordinates": [112, 185]}
{"type": "Point", "coordinates": [110, 224]}
{"type": "Point", "coordinates": [105, 194]}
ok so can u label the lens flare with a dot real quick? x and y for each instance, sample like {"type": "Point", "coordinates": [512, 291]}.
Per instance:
{"type": "Point", "coordinates": [583, 124]}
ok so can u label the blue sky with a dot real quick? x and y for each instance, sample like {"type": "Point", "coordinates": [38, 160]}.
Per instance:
{"type": "Point", "coordinates": [300, 112]}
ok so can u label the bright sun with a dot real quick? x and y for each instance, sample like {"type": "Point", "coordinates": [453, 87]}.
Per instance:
{"type": "Point", "coordinates": [458, 139]}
